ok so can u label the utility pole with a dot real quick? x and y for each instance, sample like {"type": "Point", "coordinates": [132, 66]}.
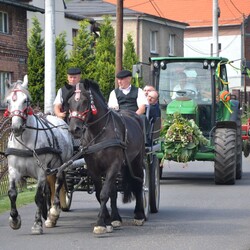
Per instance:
{"type": "Point", "coordinates": [215, 50]}
{"type": "Point", "coordinates": [119, 36]}
{"type": "Point", "coordinates": [50, 65]}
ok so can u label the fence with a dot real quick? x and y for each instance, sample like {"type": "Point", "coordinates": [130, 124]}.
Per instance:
{"type": "Point", "coordinates": [4, 134]}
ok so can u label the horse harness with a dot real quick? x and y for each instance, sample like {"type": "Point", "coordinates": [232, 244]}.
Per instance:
{"type": "Point", "coordinates": [53, 147]}
{"type": "Point", "coordinates": [92, 148]}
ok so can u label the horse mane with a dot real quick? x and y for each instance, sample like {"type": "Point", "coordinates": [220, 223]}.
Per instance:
{"type": "Point", "coordinates": [90, 84]}
{"type": "Point", "coordinates": [17, 85]}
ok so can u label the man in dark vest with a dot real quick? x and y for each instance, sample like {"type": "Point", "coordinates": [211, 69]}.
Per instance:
{"type": "Point", "coordinates": [127, 96]}
{"type": "Point", "coordinates": [61, 108]}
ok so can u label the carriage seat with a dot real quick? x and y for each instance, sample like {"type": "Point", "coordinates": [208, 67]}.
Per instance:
{"type": "Point", "coordinates": [152, 130]}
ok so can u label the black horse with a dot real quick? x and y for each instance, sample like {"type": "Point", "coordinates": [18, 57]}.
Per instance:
{"type": "Point", "coordinates": [112, 144]}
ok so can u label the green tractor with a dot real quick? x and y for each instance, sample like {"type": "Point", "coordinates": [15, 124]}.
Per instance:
{"type": "Point", "coordinates": [201, 118]}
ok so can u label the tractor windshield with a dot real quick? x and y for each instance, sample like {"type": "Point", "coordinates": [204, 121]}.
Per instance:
{"type": "Point", "coordinates": [185, 79]}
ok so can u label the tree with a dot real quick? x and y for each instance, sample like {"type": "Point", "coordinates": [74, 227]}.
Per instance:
{"type": "Point", "coordinates": [36, 64]}
{"type": "Point", "coordinates": [130, 58]}
{"type": "Point", "coordinates": [61, 60]}
{"type": "Point", "coordinates": [105, 57]}
{"type": "Point", "coordinates": [82, 54]}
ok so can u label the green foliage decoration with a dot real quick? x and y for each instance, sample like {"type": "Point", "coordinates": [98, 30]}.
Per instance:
{"type": "Point", "coordinates": [181, 138]}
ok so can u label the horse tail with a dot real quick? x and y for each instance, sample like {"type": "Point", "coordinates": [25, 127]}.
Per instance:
{"type": "Point", "coordinates": [126, 185]}
{"type": "Point", "coordinates": [51, 179]}
{"type": "Point", "coordinates": [46, 201]}
{"type": "Point", "coordinates": [132, 179]}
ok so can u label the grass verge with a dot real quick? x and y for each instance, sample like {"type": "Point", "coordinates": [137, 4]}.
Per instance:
{"type": "Point", "coordinates": [25, 197]}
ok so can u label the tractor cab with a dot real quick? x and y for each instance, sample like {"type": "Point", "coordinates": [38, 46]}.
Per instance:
{"type": "Point", "coordinates": [191, 87]}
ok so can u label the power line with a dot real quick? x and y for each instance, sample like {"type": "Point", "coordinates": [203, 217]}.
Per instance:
{"type": "Point", "coordinates": [157, 9]}
{"type": "Point", "coordinates": [236, 7]}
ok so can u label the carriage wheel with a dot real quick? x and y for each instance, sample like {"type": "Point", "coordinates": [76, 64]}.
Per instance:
{"type": "Point", "coordinates": [145, 191]}
{"type": "Point", "coordinates": [154, 178]}
{"type": "Point", "coordinates": [68, 197]}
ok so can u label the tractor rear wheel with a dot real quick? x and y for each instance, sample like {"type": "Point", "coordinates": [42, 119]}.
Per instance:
{"type": "Point", "coordinates": [225, 156]}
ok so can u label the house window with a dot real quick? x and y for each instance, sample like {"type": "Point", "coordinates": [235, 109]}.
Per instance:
{"type": "Point", "coordinates": [3, 77]}
{"type": "Point", "coordinates": [171, 51]}
{"type": "Point", "coordinates": [3, 22]}
{"type": "Point", "coordinates": [153, 42]}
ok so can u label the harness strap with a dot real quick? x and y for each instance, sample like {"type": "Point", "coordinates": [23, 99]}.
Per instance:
{"type": "Point", "coordinates": [46, 123]}
{"type": "Point", "coordinates": [29, 153]}
{"type": "Point", "coordinates": [104, 144]}
{"type": "Point", "coordinates": [85, 151]}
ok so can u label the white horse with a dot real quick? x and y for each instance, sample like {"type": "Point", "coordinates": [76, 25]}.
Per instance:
{"type": "Point", "coordinates": [36, 145]}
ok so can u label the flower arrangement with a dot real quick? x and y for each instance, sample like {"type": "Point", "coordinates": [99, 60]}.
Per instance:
{"type": "Point", "coordinates": [181, 138]}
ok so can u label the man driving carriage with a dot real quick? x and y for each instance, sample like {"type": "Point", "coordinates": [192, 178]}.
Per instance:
{"type": "Point", "coordinates": [127, 96]}
{"type": "Point", "coordinates": [61, 108]}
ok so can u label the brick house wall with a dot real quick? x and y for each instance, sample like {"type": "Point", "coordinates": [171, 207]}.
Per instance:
{"type": "Point", "coordinates": [13, 46]}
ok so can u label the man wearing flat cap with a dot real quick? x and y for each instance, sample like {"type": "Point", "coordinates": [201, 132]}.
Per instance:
{"type": "Point", "coordinates": [127, 96]}
{"type": "Point", "coordinates": [61, 108]}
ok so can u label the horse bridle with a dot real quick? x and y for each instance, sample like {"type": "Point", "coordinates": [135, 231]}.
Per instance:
{"type": "Point", "coordinates": [82, 115]}
{"type": "Point", "coordinates": [20, 113]}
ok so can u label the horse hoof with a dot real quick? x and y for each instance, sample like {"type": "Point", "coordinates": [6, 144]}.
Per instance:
{"type": "Point", "coordinates": [99, 230]}
{"type": "Point", "coordinates": [138, 222]}
{"type": "Point", "coordinates": [109, 229]}
{"type": "Point", "coordinates": [49, 224]}
{"type": "Point", "coordinates": [52, 217]}
{"type": "Point", "coordinates": [37, 229]}
{"type": "Point", "coordinates": [116, 223]}
{"type": "Point", "coordinates": [54, 213]}
{"type": "Point", "coordinates": [15, 223]}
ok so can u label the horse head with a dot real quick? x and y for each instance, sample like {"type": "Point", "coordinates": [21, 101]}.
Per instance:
{"type": "Point", "coordinates": [85, 106]}
{"type": "Point", "coordinates": [18, 105]}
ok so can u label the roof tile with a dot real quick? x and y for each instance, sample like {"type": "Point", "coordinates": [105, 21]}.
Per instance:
{"type": "Point", "coordinates": [195, 12]}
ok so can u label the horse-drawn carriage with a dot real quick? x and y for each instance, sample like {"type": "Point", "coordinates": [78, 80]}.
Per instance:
{"type": "Point", "coordinates": [119, 156]}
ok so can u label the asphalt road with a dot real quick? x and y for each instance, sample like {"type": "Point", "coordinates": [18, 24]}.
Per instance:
{"type": "Point", "coordinates": [195, 214]}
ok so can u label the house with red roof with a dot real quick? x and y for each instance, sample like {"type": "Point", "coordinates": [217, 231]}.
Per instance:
{"type": "Point", "coordinates": [233, 28]}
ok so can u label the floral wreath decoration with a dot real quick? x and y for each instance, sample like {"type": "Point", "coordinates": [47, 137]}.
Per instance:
{"type": "Point", "coordinates": [181, 138]}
